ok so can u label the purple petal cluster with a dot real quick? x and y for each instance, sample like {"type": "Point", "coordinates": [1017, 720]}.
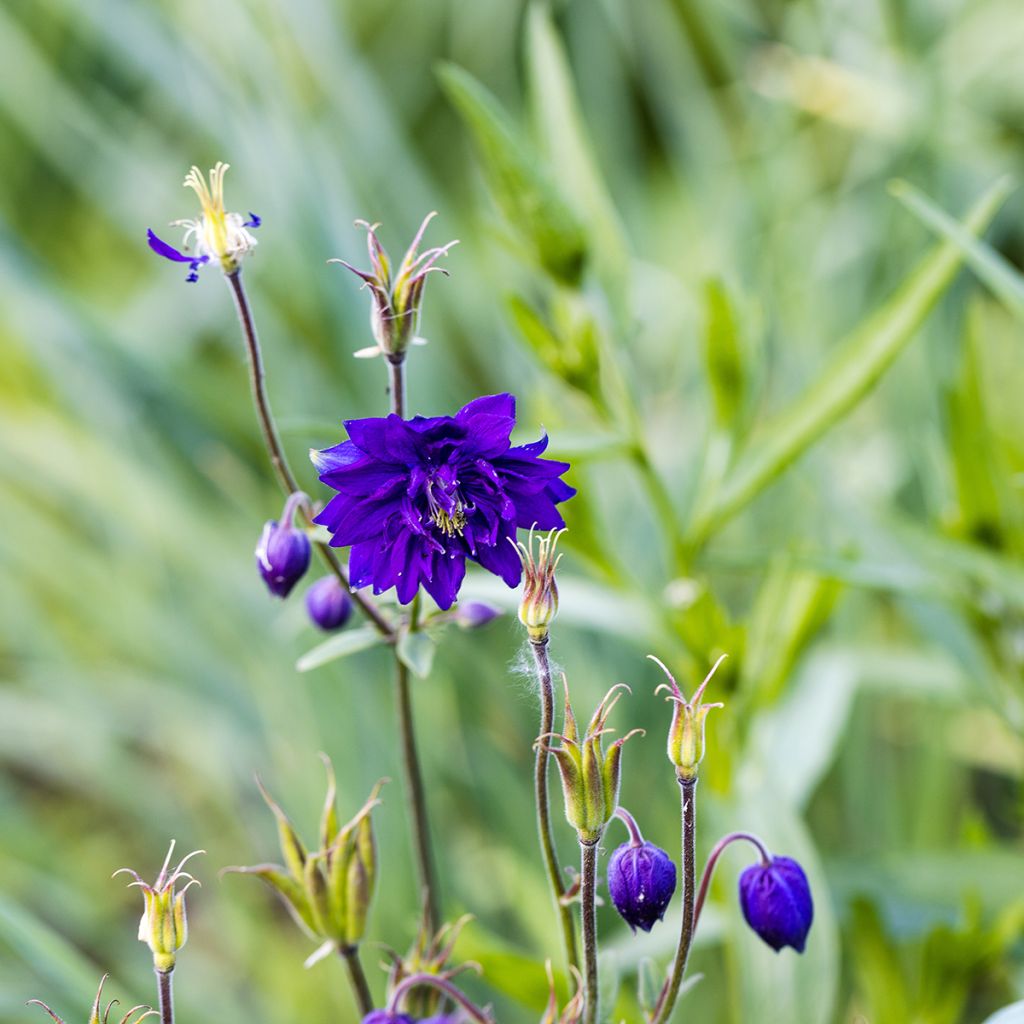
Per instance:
{"type": "Point", "coordinates": [417, 497]}
{"type": "Point", "coordinates": [641, 880]}
{"type": "Point", "coordinates": [776, 901]}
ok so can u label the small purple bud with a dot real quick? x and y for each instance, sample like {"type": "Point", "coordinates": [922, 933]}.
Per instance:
{"type": "Point", "coordinates": [641, 880]}
{"type": "Point", "coordinates": [328, 603]}
{"type": "Point", "coordinates": [776, 901]}
{"type": "Point", "coordinates": [474, 614]}
{"type": "Point", "coordinates": [282, 555]}
{"type": "Point", "coordinates": [387, 1017]}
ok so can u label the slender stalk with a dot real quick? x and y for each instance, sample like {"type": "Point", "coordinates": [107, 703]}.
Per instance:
{"type": "Point", "coordinates": [670, 992]}
{"type": "Point", "coordinates": [442, 984]}
{"type": "Point", "coordinates": [163, 981]}
{"type": "Point", "coordinates": [272, 442]}
{"type": "Point", "coordinates": [709, 867]}
{"type": "Point", "coordinates": [357, 977]}
{"type": "Point", "coordinates": [588, 913]}
{"type": "Point", "coordinates": [414, 789]}
{"type": "Point", "coordinates": [540, 779]}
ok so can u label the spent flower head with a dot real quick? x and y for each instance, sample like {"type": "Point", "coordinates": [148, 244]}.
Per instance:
{"type": "Point", "coordinates": [164, 923]}
{"type": "Point", "coordinates": [417, 498]}
{"type": "Point", "coordinates": [396, 296]}
{"type": "Point", "coordinates": [590, 777]}
{"type": "Point", "coordinates": [99, 1015]}
{"type": "Point", "coordinates": [539, 604]}
{"type": "Point", "coordinates": [328, 890]}
{"type": "Point", "coordinates": [430, 954]}
{"type": "Point", "coordinates": [215, 234]}
{"type": "Point", "coordinates": [686, 734]}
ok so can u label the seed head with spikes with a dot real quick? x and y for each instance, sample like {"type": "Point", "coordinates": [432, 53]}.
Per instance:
{"type": "Point", "coordinates": [164, 925]}
{"type": "Point", "coordinates": [327, 890]}
{"type": "Point", "coordinates": [539, 604]}
{"type": "Point", "coordinates": [590, 778]}
{"type": "Point", "coordinates": [98, 1017]}
{"type": "Point", "coordinates": [686, 734]}
{"type": "Point", "coordinates": [395, 309]}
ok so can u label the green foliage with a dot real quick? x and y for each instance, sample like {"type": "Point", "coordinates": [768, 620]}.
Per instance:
{"type": "Point", "coordinates": [687, 210]}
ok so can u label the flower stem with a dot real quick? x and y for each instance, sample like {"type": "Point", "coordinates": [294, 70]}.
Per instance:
{"type": "Point", "coordinates": [670, 992]}
{"type": "Point", "coordinates": [588, 911]}
{"type": "Point", "coordinates": [414, 790]}
{"type": "Point", "coordinates": [635, 835]}
{"type": "Point", "coordinates": [709, 867]}
{"type": "Point", "coordinates": [540, 778]}
{"type": "Point", "coordinates": [163, 980]}
{"type": "Point", "coordinates": [272, 441]}
{"type": "Point", "coordinates": [442, 984]}
{"type": "Point", "coordinates": [357, 977]}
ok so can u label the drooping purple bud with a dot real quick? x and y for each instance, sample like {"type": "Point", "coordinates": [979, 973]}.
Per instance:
{"type": "Point", "coordinates": [387, 1017]}
{"type": "Point", "coordinates": [283, 552]}
{"type": "Point", "coordinates": [776, 901]}
{"type": "Point", "coordinates": [474, 614]}
{"type": "Point", "coordinates": [328, 603]}
{"type": "Point", "coordinates": [641, 880]}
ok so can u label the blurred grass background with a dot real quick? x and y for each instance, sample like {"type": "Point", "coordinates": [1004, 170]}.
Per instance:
{"type": "Point", "coordinates": [688, 210]}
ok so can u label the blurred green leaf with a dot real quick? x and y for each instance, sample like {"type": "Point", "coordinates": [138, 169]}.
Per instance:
{"type": "Point", "coordinates": [1005, 281]}
{"type": "Point", "coordinates": [850, 374]}
{"type": "Point", "coordinates": [723, 355]}
{"type": "Point", "coordinates": [522, 188]}
{"type": "Point", "coordinates": [416, 651]}
{"type": "Point", "coordinates": [351, 641]}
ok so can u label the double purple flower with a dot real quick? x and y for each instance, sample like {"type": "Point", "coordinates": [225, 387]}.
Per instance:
{"type": "Point", "coordinates": [417, 497]}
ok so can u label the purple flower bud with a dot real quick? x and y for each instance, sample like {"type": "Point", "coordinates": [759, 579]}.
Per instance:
{"type": "Point", "coordinates": [776, 901]}
{"type": "Point", "coordinates": [387, 1017]}
{"type": "Point", "coordinates": [328, 604]}
{"type": "Point", "coordinates": [282, 554]}
{"type": "Point", "coordinates": [474, 614]}
{"type": "Point", "coordinates": [641, 880]}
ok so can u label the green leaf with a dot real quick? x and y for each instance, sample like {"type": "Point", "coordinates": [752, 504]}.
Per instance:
{"type": "Point", "coordinates": [341, 646]}
{"type": "Point", "coordinates": [1006, 282]}
{"type": "Point", "coordinates": [563, 137]}
{"type": "Point", "coordinates": [858, 365]}
{"type": "Point", "coordinates": [1012, 1014]}
{"type": "Point", "coordinates": [522, 188]}
{"type": "Point", "coordinates": [416, 650]}
{"type": "Point", "coordinates": [723, 355]}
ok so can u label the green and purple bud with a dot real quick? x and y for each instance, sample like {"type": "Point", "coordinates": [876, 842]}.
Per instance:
{"type": "Point", "coordinates": [164, 923]}
{"type": "Point", "coordinates": [539, 604]}
{"type": "Point", "coordinates": [590, 777]}
{"type": "Point", "coordinates": [396, 297]}
{"type": "Point", "coordinates": [329, 890]}
{"type": "Point", "coordinates": [686, 734]}
{"type": "Point", "coordinates": [99, 1015]}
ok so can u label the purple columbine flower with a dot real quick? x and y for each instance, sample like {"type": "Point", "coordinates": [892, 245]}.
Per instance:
{"type": "Point", "coordinates": [328, 604]}
{"type": "Point", "coordinates": [417, 497]}
{"type": "Point", "coordinates": [776, 901]}
{"type": "Point", "coordinates": [642, 881]}
{"type": "Point", "coordinates": [282, 554]}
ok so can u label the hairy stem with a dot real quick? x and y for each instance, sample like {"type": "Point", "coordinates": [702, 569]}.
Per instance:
{"type": "Point", "coordinates": [357, 978]}
{"type": "Point", "coordinates": [540, 780]}
{"type": "Point", "coordinates": [396, 384]}
{"type": "Point", "coordinates": [272, 441]}
{"type": "Point", "coordinates": [163, 981]}
{"type": "Point", "coordinates": [667, 1000]}
{"type": "Point", "coordinates": [588, 913]}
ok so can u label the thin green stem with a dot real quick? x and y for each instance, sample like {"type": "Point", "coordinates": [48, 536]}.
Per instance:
{"type": "Point", "coordinates": [664, 507]}
{"type": "Point", "coordinates": [163, 982]}
{"type": "Point", "coordinates": [588, 914]}
{"type": "Point", "coordinates": [670, 992]}
{"type": "Point", "coordinates": [272, 442]}
{"type": "Point", "coordinates": [540, 780]}
{"type": "Point", "coordinates": [414, 789]}
{"type": "Point", "coordinates": [357, 977]}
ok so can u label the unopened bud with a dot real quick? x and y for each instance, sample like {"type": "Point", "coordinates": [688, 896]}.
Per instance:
{"type": "Point", "coordinates": [283, 552]}
{"type": "Point", "coordinates": [328, 604]}
{"type": "Point", "coordinates": [164, 923]}
{"type": "Point", "coordinates": [474, 614]}
{"type": "Point", "coordinates": [539, 604]}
